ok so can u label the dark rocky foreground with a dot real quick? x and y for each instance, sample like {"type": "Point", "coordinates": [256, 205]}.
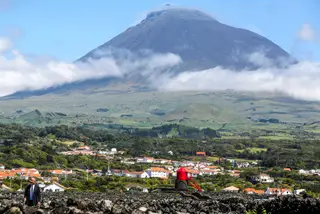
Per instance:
{"type": "Point", "coordinates": [136, 203]}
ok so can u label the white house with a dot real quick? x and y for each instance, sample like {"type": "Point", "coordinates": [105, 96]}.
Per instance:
{"type": "Point", "coordinates": [114, 151]}
{"type": "Point", "coordinates": [194, 173]}
{"type": "Point", "coordinates": [145, 160]}
{"type": "Point", "coordinates": [157, 172]}
{"type": "Point", "coordinates": [117, 172]}
{"type": "Point", "coordinates": [299, 191]}
{"type": "Point", "coordinates": [136, 174]}
{"type": "Point", "coordinates": [54, 187]}
{"type": "Point", "coordinates": [208, 172]}
{"type": "Point", "coordinates": [1, 166]}
{"type": "Point", "coordinates": [263, 178]}
{"type": "Point", "coordinates": [161, 161]}
{"type": "Point", "coordinates": [278, 191]}
{"type": "Point", "coordinates": [145, 190]}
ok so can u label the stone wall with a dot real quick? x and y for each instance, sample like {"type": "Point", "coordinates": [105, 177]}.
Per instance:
{"type": "Point", "coordinates": [136, 203]}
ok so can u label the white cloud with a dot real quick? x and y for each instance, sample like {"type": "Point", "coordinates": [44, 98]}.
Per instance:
{"type": "Point", "coordinates": [307, 33]}
{"type": "Point", "coordinates": [300, 81]}
{"type": "Point", "coordinates": [4, 44]}
{"type": "Point", "coordinates": [170, 6]}
{"type": "Point", "coordinates": [17, 73]}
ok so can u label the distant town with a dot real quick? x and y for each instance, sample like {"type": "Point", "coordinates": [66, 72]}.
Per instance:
{"type": "Point", "coordinates": [159, 169]}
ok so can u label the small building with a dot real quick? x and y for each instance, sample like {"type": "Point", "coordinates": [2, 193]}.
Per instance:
{"type": "Point", "coordinates": [7, 174]}
{"type": "Point", "coordinates": [299, 191]}
{"type": "Point", "coordinates": [114, 151]}
{"type": "Point", "coordinates": [278, 191]}
{"type": "Point", "coordinates": [2, 167]}
{"type": "Point", "coordinates": [136, 174]}
{"type": "Point", "coordinates": [117, 172]}
{"type": "Point", "coordinates": [83, 148]}
{"type": "Point", "coordinates": [231, 189]}
{"type": "Point", "coordinates": [161, 161]}
{"type": "Point", "coordinates": [200, 153]}
{"type": "Point", "coordinates": [145, 160]}
{"type": "Point", "coordinates": [262, 178]}
{"type": "Point", "coordinates": [158, 172]}
{"type": "Point", "coordinates": [54, 187]}
{"type": "Point", "coordinates": [194, 173]}
{"type": "Point", "coordinates": [145, 190]}
{"type": "Point", "coordinates": [208, 172]}
{"type": "Point", "coordinates": [253, 191]}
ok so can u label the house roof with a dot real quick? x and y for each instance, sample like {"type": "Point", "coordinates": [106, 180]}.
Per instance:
{"type": "Point", "coordinates": [5, 174]}
{"type": "Point", "coordinates": [193, 171]}
{"type": "Point", "coordinates": [134, 173]}
{"type": "Point", "coordinates": [260, 192]}
{"type": "Point", "coordinates": [159, 169]}
{"type": "Point", "coordinates": [200, 153]}
{"type": "Point", "coordinates": [231, 188]}
{"type": "Point", "coordinates": [59, 171]}
{"type": "Point", "coordinates": [279, 190]}
{"type": "Point", "coordinates": [59, 185]}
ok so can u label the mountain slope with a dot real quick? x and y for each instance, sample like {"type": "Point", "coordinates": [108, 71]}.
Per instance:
{"type": "Point", "coordinates": [201, 41]}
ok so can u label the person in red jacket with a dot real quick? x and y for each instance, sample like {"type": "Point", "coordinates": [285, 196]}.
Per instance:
{"type": "Point", "coordinates": [182, 179]}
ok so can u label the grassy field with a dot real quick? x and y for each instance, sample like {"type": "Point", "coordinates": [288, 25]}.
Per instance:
{"type": "Point", "coordinates": [229, 112]}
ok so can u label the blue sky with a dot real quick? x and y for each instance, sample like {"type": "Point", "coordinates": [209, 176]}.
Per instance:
{"type": "Point", "coordinates": [68, 29]}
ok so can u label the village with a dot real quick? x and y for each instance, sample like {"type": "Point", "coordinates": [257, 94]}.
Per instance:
{"type": "Point", "coordinates": [159, 169]}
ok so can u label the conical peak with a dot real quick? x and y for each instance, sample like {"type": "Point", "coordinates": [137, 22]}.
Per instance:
{"type": "Point", "coordinates": [178, 12]}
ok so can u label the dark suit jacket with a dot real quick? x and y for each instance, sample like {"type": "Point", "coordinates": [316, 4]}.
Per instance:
{"type": "Point", "coordinates": [36, 194]}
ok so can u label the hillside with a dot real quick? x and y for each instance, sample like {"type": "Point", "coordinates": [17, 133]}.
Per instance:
{"type": "Point", "coordinates": [229, 112]}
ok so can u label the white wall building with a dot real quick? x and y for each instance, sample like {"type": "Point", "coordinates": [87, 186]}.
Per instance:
{"type": "Point", "coordinates": [54, 187]}
{"type": "Point", "coordinates": [263, 178]}
{"type": "Point", "coordinates": [299, 191]}
{"type": "Point", "coordinates": [278, 191]}
{"type": "Point", "coordinates": [136, 174]}
{"type": "Point", "coordinates": [145, 160]}
{"type": "Point", "coordinates": [157, 172]}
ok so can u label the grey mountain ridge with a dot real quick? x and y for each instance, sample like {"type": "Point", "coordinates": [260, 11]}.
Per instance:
{"type": "Point", "coordinates": [201, 41]}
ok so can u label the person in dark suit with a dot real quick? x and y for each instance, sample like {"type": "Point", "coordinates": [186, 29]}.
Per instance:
{"type": "Point", "coordinates": [32, 193]}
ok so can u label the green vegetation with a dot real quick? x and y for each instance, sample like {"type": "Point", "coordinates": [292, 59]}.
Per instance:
{"type": "Point", "coordinates": [253, 150]}
{"type": "Point", "coordinates": [23, 146]}
{"type": "Point", "coordinates": [234, 115]}
{"type": "Point", "coordinates": [263, 211]}
{"type": "Point", "coordinates": [30, 146]}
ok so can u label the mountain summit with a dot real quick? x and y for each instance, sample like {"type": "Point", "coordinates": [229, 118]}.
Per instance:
{"type": "Point", "coordinates": [200, 40]}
